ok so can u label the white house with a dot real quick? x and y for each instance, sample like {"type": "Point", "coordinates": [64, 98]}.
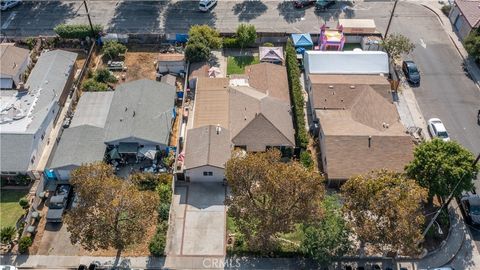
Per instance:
{"type": "Point", "coordinates": [13, 63]}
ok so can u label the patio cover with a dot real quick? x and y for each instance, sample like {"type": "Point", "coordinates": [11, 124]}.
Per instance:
{"type": "Point", "coordinates": [214, 72]}
{"type": "Point", "coordinates": [271, 54]}
{"type": "Point", "coordinates": [128, 148]}
{"type": "Point", "coordinates": [148, 151]}
{"type": "Point", "coordinates": [113, 154]}
{"type": "Point", "coordinates": [302, 40]}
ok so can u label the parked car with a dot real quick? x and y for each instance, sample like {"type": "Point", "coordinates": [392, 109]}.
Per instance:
{"type": "Point", "coordinates": [7, 267]}
{"type": "Point", "coordinates": [303, 3]}
{"type": "Point", "coordinates": [206, 5]}
{"type": "Point", "coordinates": [411, 72]}
{"type": "Point", "coordinates": [437, 129]}
{"type": "Point", "coordinates": [324, 4]}
{"type": "Point", "coordinates": [478, 117]}
{"type": "Point", "coordinates": [6, 4]}
{"type": "Point", "coordinates": [58, 203]}
{"type": "Point", "coordinates": [470, 206]}
{"type": "Point", "coordinates": [67, 122]}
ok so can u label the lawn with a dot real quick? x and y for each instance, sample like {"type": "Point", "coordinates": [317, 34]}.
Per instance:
{"type": "Point", "coordinates": [237, 64]}
{"type": "Point", "coordinates": [10, 210]}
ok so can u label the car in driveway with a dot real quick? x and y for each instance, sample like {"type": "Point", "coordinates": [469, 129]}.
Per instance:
{"type": "Point", "coordinates": [58, 203]}
{"type": "Point", "coordinates": [6, 4]}
{"type": "Point", "coordinates": [411, 72]}
{"type": "Point", "coordinates": [303, 3]}
{"type": "Point", "coordinates": [470, 206]}
{"type": "Point", "coordinates": [437, 129]}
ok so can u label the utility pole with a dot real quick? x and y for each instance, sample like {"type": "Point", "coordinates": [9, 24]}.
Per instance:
{"type": "Point", "coordinates": [89, 20]}
{"type": "Point", "coordinates": [450, 197]}
{"type": "Point", "coordinates": [391, 17]}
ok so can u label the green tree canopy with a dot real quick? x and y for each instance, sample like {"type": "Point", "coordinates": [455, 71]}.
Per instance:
{"type": "Point", "coordinates": [197, 52]}
{"type": "Point", "coordinates": [112, 49]}
{"type": "Point", "coordinates": [104, 75]}
{"type": "Point", "coordinates": [246, 34]}
{"type": "Point", "coordinates": [384, 210]}
{"type": "Point", "coordinates": [438, 166]}
{"type": "Point", "coordinates": [472, 44]}
{"type": "Point", "coordinates": [206, 35]}
{"type": "Point", "coordinates": [397, 45]}
{"type": "Point", "coordinates": [269, 196]}
{"type": "Point", "coordinates": [111, 212]}
{"type": "Point", "coordinates": [329, 237]}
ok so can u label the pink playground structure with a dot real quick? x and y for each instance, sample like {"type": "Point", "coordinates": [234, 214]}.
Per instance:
{"type": "Point", "coordinates": [331, 39]}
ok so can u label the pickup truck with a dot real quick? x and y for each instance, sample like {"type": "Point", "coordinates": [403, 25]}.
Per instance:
{"type": "Point", "coordinates": [58, 203]}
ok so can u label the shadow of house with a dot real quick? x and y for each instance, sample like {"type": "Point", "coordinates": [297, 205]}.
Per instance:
{"type": "Point", "coordinates": [137, 16]}
{"type": "Point", "coordinates": [289, 13]}
{"type": "Point", "coordinates": [181, 15]}
{"type": "Point", "coordinates": [249, 10]}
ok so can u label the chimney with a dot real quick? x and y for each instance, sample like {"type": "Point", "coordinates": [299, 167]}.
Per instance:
{"type": "Point", "coordinates": [22, 87]}
{"type": "Point", "coordinates": [218, 129]}
{"type": "Point", "coordinates": [369, 141]}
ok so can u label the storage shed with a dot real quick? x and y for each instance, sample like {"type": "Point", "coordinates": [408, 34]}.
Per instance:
{"type": "Point", "coordinates": [170, 63]}
{"type": "Point", "coordinates": [271, 54]}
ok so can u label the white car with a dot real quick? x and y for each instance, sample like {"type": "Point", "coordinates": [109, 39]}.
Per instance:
{"type": "Point", "coordinates": [206, 5]}
{"type": "Point", "coordinates": [437, 129]}
{"type": "Point", "coordinates": [6, 4]}
{"type": "Point", "coordinates": [8, 267]}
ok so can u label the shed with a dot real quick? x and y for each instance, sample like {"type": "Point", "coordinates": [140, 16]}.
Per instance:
{"type": "Point", "coordinates": [357, 26]}
{"type": "Point", "coordinates": [302, 41]}
{"type": "Point", "coordinates": [271, 54]}
{"type": "Point", "coordinates": [170, 63]}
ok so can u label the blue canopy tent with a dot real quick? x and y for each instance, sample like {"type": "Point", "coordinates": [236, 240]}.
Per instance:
{"type": "Point", "coordinates": [302, 41]}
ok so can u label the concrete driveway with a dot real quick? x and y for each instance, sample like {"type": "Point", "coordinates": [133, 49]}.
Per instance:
{"type": "Point", "coordinates": [199, 220]}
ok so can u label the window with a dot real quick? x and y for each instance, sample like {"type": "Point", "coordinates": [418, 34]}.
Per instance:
{"type": "Point", "coordinates": [207, 173]}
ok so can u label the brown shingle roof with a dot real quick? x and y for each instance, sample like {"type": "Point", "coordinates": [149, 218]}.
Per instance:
{"type": "Point", "coordinates": [211, 102]}
{"type": "Point", "coordinates": [11, 58]}
{"type": "Point", "coordinates": [269, 79]}
{"type": "Point", "coordinates": [198, 70]}
{"type": "Point", "coordinates": [471, 10]}
{"type": "Point", "coordinates": [206, 146]}
{"type": "Point", "coordinates": [170, 57]}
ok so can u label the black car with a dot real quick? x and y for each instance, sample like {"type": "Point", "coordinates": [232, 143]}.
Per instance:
{"type": "Point", "coordinates": [303, 3]}
{"type": "Point", "coordinates": [58, 203]}
{"type": "Point", "coordinates": [411, 72]}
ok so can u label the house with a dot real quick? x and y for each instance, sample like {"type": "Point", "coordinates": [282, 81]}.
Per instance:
{"type": "Point", "coordinates": [141, 115]}
{"type": "Point", "coordinates": [28, 115]}
{"type": "Point", "coordinates": [170, 63]}
{"type": "Point", "coordinates": [208, 149]}
{"type": "Point", "coordinates": [465, 17]}
{"type": "Point", "coordinates": [197, 70]}
{"type": "Point", "coordinates": [271, 55]}
{"type": "Point", "coordinates": [360, 129]}
{"type": "Point", "coordinates": [250, 111]}
{"type": "Point", "coordinates": [13, 63]}
{"type": "Point", "coordinates": [83, 141]}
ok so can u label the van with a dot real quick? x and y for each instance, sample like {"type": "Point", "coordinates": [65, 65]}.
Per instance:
{"type": "Point", "coordinates": [206, 5]}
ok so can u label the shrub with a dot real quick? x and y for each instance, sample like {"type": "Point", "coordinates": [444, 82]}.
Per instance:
{"type": "Point", "coordinates": [104, 75]}
{"type": "Point", "coordinates": [164, 211]}
{"type": "Point", "coordinates": [150, 181]}
{"type": "Point", "coordinates": [268, 44]}
{"type": "Point", "coordinates": [246, 34]}
{"type": "Point", "coordinates": [197, 52]}
{"type": "Point", "coordinates": [112, 49]}
{"type": "Point", "coordinates": [296, 95]}
{"type": "Point", "coordinates": [7, 234]}
{"type": "Point", "coordinates": [472, 44]}
{"type": "Point", "coordinates": [446, 9]}
{"type": "Point", "coordinates": [306, 159]}
{"type": "Point", "coordinates": [24, 243]}
{"type": "Point", "coordinates": [80, 31]}
{"type": "Point", "coordinates": [92, 86]}
{"type": "Point", "coordinates": [23, 202]}
{"type": "Point", "coordinates": [164, 193]}
{"type": "Point", "coordinates": [229, 42]}
{"type": "Point", "coordinates": [159, 240]}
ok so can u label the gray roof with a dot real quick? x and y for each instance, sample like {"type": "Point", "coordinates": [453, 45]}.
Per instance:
{"type": "Point", "coordinates": [15, 152]}
{"type": "Point", "coordinates": [207, 147]}
{"type": "Point", "coordinates": [79, 145]}
{"type": "Point", "coordinates": [141, 109]}
{"type": "Point", "coordinates": [92, 109]}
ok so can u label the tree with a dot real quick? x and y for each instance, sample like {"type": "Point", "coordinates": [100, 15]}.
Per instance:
{"type": "Point", "coordinates": [7, 234]}
{"type": "Point", "coordinates": [197, 52]}
{"type": "Point", "coordinates": [438, 166]}
{"type": "Point", "coordinates": [104, 75]}
{"type": "Point", "coordinates": [472, 44]}
{"type": "Point", "coordinates": [329, 237]}
{"type": "Point", "coordinates": [23, 202]}
{"type": "Point", "coordinates": [397, 45]}
{"type": "Point", "coordinates": [246, 34]}
{"type": "Point", "coordinates": [384, 210]}
{"type": "Point", "coordinates": [269, 196]}
{"type": "Point", "coordinates": [206, 35]}
{"type": "Point", "coordinates": [112, 49]}
{"type": "Point", "coordinates": [91, 85]}
{"type": "Point", "coordinates": [111, 212]}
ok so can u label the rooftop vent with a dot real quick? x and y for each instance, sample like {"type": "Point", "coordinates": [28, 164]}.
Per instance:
{"type": "Point", "coordinates": [369, 141]}
{"type": "Point", "coordinates": [352, 86]}
{"type": "Point", "coordinates": [218, 129]}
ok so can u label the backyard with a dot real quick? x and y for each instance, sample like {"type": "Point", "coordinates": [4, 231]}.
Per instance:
{"type": "Point", "coordinates": [237, 64]}
{"type": "Point", "coordinates": [10, 210]}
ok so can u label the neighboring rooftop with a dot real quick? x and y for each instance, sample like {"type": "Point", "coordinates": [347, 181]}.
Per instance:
{"type": "Point", "coordinates": [170, 57]}
{"type": "Point", "coordinates": [141, 109]}
{"type": "Point", "coordinates": [11, 58]}
{"type": "Point", "coordinates": [198, 70]}
{"type": "Point", "coordinates": [92, 109]}
{"type": "Point", "coordinates": [207, 145]}
{"type": "Point", "coordinates": [24, 111]}
{"type": "Point", "coordinates": [269, 79]}
{"type": "Point", "coordinates": [471, 10]}
{"type": "Point", "coordinates": [15, 152]}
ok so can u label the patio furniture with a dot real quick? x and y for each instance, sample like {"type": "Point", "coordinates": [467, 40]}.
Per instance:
{"type": "Point", "coordinates": [31, 229]}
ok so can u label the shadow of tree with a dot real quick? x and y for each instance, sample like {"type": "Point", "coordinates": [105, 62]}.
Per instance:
{"type": "Point", "coordinates": [334, 12]}
{"type": "Point", "coordinates": [249, 9]}
{"type": "Point", "coordinates": [180, 16]}
{"type": "Point", "coordinates": [137, 16]}
{"type": "Point", "coordinates": [289, 13]}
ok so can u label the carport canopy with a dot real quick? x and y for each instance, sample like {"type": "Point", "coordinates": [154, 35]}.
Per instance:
{"type": "Point", "coordinates": [127, 148]}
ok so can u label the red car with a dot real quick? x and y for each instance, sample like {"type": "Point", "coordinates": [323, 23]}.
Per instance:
{"type": "Point", "coordinates": [303, 3]}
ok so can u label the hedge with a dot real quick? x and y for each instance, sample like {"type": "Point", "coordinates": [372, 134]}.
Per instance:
{"type": "Point", "coordinates": [296, 95]}
{"type": "Point", "coordinates": [229, 42]}
{"type": "Point", "coordinates": [80, 31]}
{"type": "Point", "coordinates": [158, 241]}
{"type": "Point", "coordinates": [24, 243]}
